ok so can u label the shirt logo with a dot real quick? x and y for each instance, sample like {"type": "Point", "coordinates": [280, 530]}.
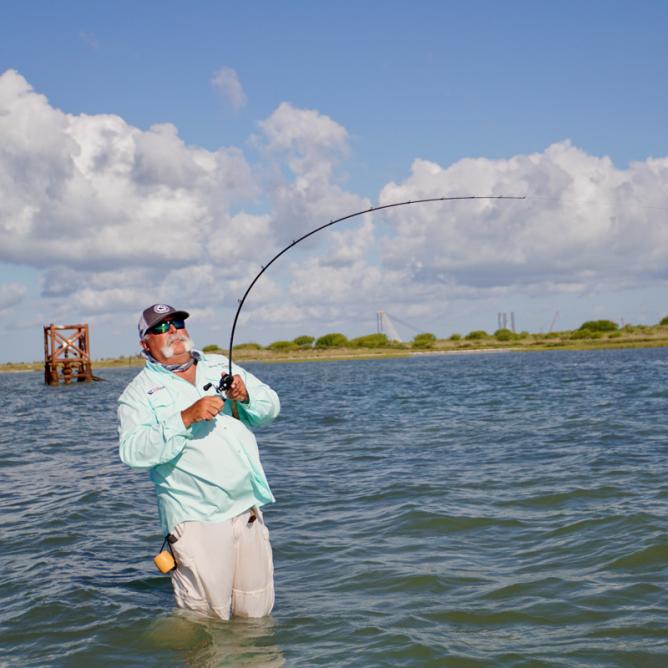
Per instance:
{"type": "Point", "coordinates": [153, 390]}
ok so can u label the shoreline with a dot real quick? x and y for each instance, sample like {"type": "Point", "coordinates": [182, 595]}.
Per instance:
{"type": "Point", "coordinates": [348, 354]}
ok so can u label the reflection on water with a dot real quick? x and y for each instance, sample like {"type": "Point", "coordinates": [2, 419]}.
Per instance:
{"type": "Point", "coordinates": [206, 643]}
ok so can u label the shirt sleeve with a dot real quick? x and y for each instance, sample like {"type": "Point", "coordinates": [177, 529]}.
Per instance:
{"type": "Point", "coordinates": [144, 440]}
{"type": "Point", "coordinates": [263, 403]}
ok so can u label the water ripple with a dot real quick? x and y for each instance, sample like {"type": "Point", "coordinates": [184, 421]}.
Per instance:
{"type": "Point", "coordinates": [505, 510]}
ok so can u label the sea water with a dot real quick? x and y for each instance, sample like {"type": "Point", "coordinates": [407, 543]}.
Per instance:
{"type": "Point", "coordinates": [469, 510]}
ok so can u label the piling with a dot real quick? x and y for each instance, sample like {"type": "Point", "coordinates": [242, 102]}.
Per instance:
{"type": "Point", "coordinates": [67, 354]}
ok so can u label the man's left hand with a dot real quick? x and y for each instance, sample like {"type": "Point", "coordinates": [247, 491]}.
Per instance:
{"type": "Point", "coordinates": [238, 390]}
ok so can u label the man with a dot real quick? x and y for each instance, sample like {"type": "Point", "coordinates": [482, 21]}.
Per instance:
{"type": "Point", "coordinates": [205, 466]}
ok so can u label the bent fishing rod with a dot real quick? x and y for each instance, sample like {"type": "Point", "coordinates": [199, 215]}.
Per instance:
{"type": "Point", "coordinates": [226, 378]}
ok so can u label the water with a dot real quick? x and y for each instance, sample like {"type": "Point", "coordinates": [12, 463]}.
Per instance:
{"type": "Point", "coordinates": [479, 510]}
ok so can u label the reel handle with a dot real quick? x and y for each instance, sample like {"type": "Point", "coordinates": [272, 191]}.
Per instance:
{"type": "Point", "coordinates": [224, 384]}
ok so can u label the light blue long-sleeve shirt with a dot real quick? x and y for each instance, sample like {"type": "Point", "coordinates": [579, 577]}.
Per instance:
{"type": "Point", "coordinates": [210, 471]}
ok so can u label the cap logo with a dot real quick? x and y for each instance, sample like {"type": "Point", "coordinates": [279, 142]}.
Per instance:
{"type": "Point", "coordinates": [161, 308]}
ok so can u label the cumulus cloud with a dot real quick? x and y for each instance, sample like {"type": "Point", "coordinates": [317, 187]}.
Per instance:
{"type": "Point", "coordinates": [311, 142]}
{"type": "Point", "coordinates": [94, 192]}
{"type": "Point", "coordinates": [116, 217]}
{"type": "Point", "coordinates": [584, 222]}
{"type": "Point", "coordinates": [227, 82]}
{"type": "Point", "coordinates": [306, 148]}
{"type": "Point", "coordinates": [585, 226]}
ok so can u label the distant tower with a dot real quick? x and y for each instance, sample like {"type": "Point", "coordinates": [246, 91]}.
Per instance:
{"type": "Point", "coordinates": [384, 326]}
{"type": "Point", "coordinates": [554, 321]}
{"type": "Point", "coordinates": [512, 321]}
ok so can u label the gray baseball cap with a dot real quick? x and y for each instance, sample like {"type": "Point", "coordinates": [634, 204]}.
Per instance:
{"type": "Point", "coordinates": [156, 314]}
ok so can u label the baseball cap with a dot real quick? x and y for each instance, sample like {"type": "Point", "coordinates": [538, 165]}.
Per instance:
{"type": "Point", "coordinates": [156, 314]}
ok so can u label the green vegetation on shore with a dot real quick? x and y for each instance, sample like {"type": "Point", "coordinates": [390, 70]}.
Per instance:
{"type": "Point", "coordinates": [593, 334]}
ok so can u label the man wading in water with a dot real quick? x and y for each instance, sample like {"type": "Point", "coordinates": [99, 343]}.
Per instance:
{"type": "Point", "coordinates": [205, 466]}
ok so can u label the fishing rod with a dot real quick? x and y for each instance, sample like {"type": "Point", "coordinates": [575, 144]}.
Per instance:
{"type": "Point", "coordinates": [226, 378]}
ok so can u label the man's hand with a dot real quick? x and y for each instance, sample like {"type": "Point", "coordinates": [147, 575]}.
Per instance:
{"type": "Point", "coordinates": [205, 408]}
{"type": "Point", "coordinates": [238, 390]}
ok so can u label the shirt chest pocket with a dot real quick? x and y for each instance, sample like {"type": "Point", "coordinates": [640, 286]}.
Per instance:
{"type": "Point", "coordinates": [163, 406]}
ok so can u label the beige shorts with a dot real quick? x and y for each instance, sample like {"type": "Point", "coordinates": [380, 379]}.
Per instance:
{"type": "Point", "coordinates": [224, 568]}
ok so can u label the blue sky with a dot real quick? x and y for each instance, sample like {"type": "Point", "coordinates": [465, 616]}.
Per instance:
{"type": "Point", "coordinates": [367, 89]}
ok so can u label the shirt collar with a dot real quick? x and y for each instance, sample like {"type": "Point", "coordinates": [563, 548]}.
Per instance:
{"type": "Point", "coordinates": [195, 356]}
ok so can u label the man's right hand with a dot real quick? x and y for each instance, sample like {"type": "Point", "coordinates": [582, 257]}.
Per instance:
{"type": "Point", "coordinates": [205, 408]}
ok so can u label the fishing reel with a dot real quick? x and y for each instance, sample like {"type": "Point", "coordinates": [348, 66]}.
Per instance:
{"type": "Point", "coordinates": [223, 386]}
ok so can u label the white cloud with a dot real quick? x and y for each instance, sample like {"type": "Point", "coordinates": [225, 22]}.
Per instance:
{"type": "Point", "coordinates": [11, 294]}
{"type": "Point", "coordinates": [93, 192]}
{"type": "Point", "coordinates": [306, 147]}
{"type": "Point", "coordinates": [585, 226]}
{"type": "Point", "coordinates": [583, 222]}
{"type": "Point", "coordinates": [117, 218]}
{"type": "Point", "coordinates": [227, 82]}
{"type": "Point", "coordinates": [310, 142]}
{"type": "Point", "coordinates": [244, 237]}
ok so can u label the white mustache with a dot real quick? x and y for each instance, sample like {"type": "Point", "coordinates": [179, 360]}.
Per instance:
{"type": "Point", "coordinates": [168, 349]}
{"type": "Point", "coordinates": [177, 336]}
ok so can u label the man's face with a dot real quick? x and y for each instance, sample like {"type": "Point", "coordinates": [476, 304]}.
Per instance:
{"type": "Point", "coordinates": [172, 347]}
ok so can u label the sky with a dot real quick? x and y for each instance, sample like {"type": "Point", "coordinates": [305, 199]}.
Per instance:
{"type": "Point", "coordinates": [164, 152]}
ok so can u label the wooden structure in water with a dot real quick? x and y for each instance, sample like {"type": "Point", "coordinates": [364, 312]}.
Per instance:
{"type": "Point", "coordinates": [67, 354]}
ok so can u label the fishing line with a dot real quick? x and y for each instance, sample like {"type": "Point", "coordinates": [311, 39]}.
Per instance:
{"type": "Point", "coordinates": [226, 378]}
{"type": "Point", "coordinates": [573, 202]}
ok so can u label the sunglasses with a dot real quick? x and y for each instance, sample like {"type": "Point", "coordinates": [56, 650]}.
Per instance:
{"type": "Point", "coordinates": [164, 326]}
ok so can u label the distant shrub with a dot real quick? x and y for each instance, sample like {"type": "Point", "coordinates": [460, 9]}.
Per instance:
{"type": "Point", "coordinates": [551, 335]}
{"type": "Point", "coordinates": [629, 329]}
{"type": "Point", "coordinates": [581, 334]}
{"type": "Point", "coordinates": [599, 326]}
{"type": "Point", "coordinates": [304, 341]}
{"type": "Point", "coordinates": [476, 334]}
{"type": "Point", "coordinates": [282, 345]}
{"type": "Point", "coordinates": [424, 340]}
{"type": "Point", "coordinates": [370, 341]}
{"type": "Point", "coordinates": [211, 348]}
{"type": "Point", "coordinates": [504, 334]}
{"type": "Point", "coordinates": [332, 340]}
{"type": "Point", "coordinates": [615, 335]}
{"type": "Point", "coordinates": [585, 334]}
{"type": "Point", "coordinates": [248, 346]}
{"type": "Point", "coordinates": [664, 321]}
{"type": "Point", "coordinates": [522, 335]}
{"type": "Point", "coordinates": [455, 337]}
